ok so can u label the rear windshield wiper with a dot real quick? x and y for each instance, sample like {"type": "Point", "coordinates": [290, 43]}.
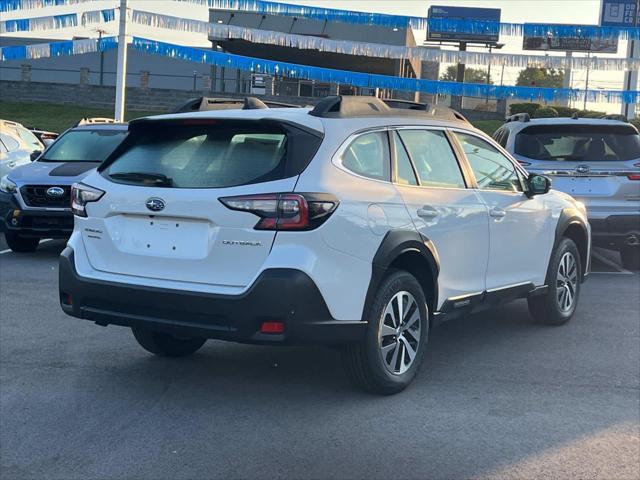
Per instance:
{"type": "Point", "coordinates": [149, 179]}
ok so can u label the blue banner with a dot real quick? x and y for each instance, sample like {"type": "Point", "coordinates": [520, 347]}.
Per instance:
{"type": "Point", "coordinates": [358, 79]}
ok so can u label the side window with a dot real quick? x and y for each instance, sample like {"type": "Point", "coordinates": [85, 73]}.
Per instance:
{"type": "Point", "coordinates": [9, 142]}
{"type": "Point", "coordinates": [404, 171]}
{"type": "Point", "coordinates": [368, 155]}
{"type": "Point", "coordinates": [502, 137]}
{"type": "Point", "coordinates": [493, 171]}
{"type": "Point", "coordinates": [433, 158]}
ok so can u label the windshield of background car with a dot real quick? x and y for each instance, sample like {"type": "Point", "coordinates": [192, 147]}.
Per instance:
{"type": "Point", "coordinates": [581, 143]}
{"type": "Point", "coordinates": [210, 154]}
{"type": "Point", "coordinates": [84, 146]}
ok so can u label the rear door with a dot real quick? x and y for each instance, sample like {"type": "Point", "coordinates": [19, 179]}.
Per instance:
{"type": "Point", "coordinates": [162, 217]}
{"type": "Point", "coordinates": [598, 164]}
{"type": "Point", "coordinates": [443, 209]}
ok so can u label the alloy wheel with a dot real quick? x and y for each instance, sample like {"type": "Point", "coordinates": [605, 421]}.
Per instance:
{"type": "Point", "coordinates": [399, 334]}
{"type": "Point", "coordinates": [567, 282]}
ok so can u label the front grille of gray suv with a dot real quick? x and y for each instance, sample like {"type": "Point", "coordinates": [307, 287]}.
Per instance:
{"type": "Point", "coordinates": [36, 196]}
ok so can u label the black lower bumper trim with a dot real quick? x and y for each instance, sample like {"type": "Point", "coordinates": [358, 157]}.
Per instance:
{"type": "Point", "coordinates": [33, 222]}
{"type": "Point", "coordinates": [615, 231]}
{"type": "Point", "coordinates": [278, 295]}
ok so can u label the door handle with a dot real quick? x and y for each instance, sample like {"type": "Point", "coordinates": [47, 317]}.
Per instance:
{"type": "Point", "coordinates": [427, 212]}
{"type": "Point", "coordinates": [496, 212]}
{"type": "Point", "coordinates": [12, 164]}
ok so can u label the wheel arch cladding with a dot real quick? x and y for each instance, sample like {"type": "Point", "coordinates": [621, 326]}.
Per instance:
{"type": "Point", "coordinates": [409, 251]}
{"type": "Point", "coordinates": [570, 225]}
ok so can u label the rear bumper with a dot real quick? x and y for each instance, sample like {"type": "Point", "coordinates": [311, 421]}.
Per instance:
{"type": "Point", "coordinates": [615, 231]}
{"type": "Point", "coordinates": [280, 295]}
{"type": "Point", "coordinates": [33, 223]}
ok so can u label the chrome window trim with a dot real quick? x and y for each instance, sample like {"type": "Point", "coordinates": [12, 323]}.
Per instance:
{"type": "Point", "coordinates": [517, 167]}
{"type": "Point", "coordinates": [453, 151]}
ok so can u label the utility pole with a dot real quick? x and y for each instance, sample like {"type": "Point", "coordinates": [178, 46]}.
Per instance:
{"type": "Point", "coordinates": [631, 77]}
{"type": "Point", "coordinates": [566, 81]}
{"type": "Point", "coordinates": [488, 74]}
{"type": "Point", "coordinates": [121, 70]}
{"type": "Point", "coordinates": [100, 33]}
{"type": "Point", "coordinates": [586, 82]}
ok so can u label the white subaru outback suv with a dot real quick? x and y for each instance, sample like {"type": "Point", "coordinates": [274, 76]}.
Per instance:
{"type": "Point", "coordinates": [352, 224]}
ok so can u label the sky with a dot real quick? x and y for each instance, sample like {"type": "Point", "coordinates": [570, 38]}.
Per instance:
{"type": "Point", "coordinates": [516, 11]}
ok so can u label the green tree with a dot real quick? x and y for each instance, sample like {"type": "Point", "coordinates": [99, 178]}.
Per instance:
{"type": "Point", "coordinates": [540, 77]}
{"type": "Point", "coordinates": [471, 75]}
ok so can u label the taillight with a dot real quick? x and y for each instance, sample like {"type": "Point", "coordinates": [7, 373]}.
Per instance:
{"type": "Point", "coordinates": [634, 176]}
{"type": "Point", "coordinates": [81, 195]}
{"type": "Point", "coordinates": [285, 211]}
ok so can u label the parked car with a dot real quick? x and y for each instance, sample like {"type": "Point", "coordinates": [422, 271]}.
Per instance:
{"type": "Point", "coordinates": [46, 137]}
{"type": "Point", "coordinates": [352, 224]}
{"type": "Point", "coordinates": [18, 146]}
{"type": "Point", "coordinates": [596, 161]}
{"type": "Point", "coordinates": [35, 197]}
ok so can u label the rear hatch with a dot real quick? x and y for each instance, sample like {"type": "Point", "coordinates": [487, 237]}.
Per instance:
{"type": "Point", "coordinates": [599, 164]}
{"type": "Point", "coordinates": [162, 217]}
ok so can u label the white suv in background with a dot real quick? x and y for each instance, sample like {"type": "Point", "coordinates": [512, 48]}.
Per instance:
{"type": "Point", "coordinates": [595, 160]}
{"type": "Point", "coordinates": [352, 224]}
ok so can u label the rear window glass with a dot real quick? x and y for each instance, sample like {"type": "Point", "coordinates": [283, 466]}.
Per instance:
{"type": "Point", "coordinates": [578, 143]}
{"type": "Point", "coordinates": [84, 146]}
{"type": "Point", "coordinates": [211, 155]}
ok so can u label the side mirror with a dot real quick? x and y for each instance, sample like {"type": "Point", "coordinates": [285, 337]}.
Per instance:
{"type": "Point", "coordinates": [35, 154]}
{"type": "Point", "coordinates": [538, 184]}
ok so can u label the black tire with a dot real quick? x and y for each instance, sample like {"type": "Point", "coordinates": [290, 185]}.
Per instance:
{"type": "Point", "coordinates": [630, 256]}
{"type": "Point", "coordinates": [365, 362]}
{"type": "Point", "coordinates": [165, 344]}
{"type": "Point", "coordinates": [19, 244]}
{"type": "Point", "coordinates": [548, 309]}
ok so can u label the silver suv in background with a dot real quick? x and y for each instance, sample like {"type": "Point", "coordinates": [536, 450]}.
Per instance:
{"type": "Point", "coordinates": [597, 161]}
{"type": "Point", "coordinates": [18, 146]}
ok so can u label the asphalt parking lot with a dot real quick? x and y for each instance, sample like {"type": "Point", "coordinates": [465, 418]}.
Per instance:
{"type": "Point", "coordinates": [501, 397]}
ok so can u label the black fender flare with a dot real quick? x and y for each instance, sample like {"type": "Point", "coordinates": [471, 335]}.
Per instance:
{"type": "Point", "coordinates": [394, 244]}
{"type": "Point", "coordinates": [570, 217]}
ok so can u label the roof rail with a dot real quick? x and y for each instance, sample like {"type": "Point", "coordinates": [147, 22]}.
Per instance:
{"type": "Point", "coordinates": [345, 106]}
{"type": "Point", "coordinates": [519, 117]}
{"type": "Point", "coordinates": [615, 116]}
{"type": "Point", "coordinates": [406, 104]}
{"type": "Point", "coordinates": [94, 121]}
{"type": "Point", "coordinates": [200, 104]}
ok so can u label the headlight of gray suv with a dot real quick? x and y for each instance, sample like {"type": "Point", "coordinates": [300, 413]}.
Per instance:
{"type": "Point", "coordinates": [7, 186]}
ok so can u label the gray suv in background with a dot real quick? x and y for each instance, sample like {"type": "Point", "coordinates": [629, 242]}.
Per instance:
{"type": "Point", "coordinates": [35, 197]}
{"type": "Point", "coordinates": [597, 161]}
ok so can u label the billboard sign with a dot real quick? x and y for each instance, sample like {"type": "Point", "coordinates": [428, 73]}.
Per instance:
{"type": "Point", "coordinates": [490, 35]}
{"type": "Point", "coordinates": [620, 13]}
{"type": "Point", "coordinates": [570, 44]}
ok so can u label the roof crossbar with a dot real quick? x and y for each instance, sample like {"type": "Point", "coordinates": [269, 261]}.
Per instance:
{"type": "Point", "coordinates": [345, 106]}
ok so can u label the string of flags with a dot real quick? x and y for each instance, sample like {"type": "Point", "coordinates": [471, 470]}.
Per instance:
{"type": "Point", "coordinates": [467, 26]}
{"type": "Point", "coordinates": [321, 74]}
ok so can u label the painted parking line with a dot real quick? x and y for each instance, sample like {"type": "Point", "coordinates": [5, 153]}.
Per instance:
{"type": "Point", "coordinates": [45, 240]}
{"type": "Point", "coordinates": [610, 263]}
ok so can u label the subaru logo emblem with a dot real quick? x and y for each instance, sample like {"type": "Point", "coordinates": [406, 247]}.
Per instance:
{"type": "Point", "coordinates": [583, 169]}
{"type": "Point", "coordinates": [155, 204]}
{"type": "Point", "coordinates": [55, 192]}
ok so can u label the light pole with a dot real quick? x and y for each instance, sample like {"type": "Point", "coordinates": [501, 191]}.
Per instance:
{"type": "Point", "coordinates": [586, 82]}
{"type": "Point", "coordinates": [121, 70]}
